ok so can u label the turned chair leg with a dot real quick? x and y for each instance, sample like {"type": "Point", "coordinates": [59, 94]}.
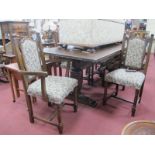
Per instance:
{"type": "Point", "coordinates": [49, 104]}
{"type": "Point", "coordinates": [88, 72]}
{"type": "Point", "coordinates": [92, 74]}
{"type": "Point", "coordinates": [141, 92]}
{"type": "Point", "coordinates": [49, 70]}
{"type": "Point", "coordinates": [105, 92]}
{"type": "Point", "coordinates": [59, 118]}
{"type": "Point", "coordinates": [116, 92]}
{"type": "Point", "coordinates": [67, 69]}
{"type": "Point", "coordinates": [135, 103]}
{"type": "Point", "coordinates": [75, 100]}
{"type": "Point", "coordinates": [55, 69]}
{"type": "Point", "coordinates": [34, 100]}
{"type": "Point", "coordinates": [102, 77]}
{"type": "Point", "coordinates": [30, 109]}
{"type": "Point", "coordinates": [123, 88]}
{"type": "Point", "coordinates": [67, 72]}
{"type": "Point", "coordinates": [60, 70]}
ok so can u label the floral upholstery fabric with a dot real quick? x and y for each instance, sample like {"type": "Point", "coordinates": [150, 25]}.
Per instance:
{"type": "Point", "coordinates": [135, 53]}
{"type": "Point", "coordinates": [31, 55]}
{"type": "Point", "coordinates": [57, 88]}
{"type": "Point", "coordinates": [126, 78]}
{"type": "Point", "coordinates": [88, 31]}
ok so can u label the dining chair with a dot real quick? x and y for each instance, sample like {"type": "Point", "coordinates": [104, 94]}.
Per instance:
{"type": "Point", "coordinates": [52, 89]}
{"type": "Point", "coordinates": [136, 52]}
{"type": "Point", "coordinates": [6, 57]}
{"type": "Point", "coordinates": [3, 77]}
{"type": "Point", "coordinates": [9, 55]}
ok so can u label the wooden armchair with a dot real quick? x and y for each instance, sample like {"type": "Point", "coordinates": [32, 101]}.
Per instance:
{"type": "Point", "coordinates": [3, 77]}
{"type": "Point", "coordinates": [6, 57]}
{"type": "Point", "coordinates": [52, 89]}
{"type": "Point", "coordinates": [135, 59]}
{"type": "Point", "coordinates": [8, 54]}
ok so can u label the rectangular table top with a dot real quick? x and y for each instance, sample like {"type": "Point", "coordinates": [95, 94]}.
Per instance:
{"type": "Point", "coordinates": [97, 56]}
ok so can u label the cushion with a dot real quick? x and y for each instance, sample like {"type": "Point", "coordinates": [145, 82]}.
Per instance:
{"type": "Point", "coordinates": [57, 88]}
{"type": "Point", "coordinates": [126, 78]}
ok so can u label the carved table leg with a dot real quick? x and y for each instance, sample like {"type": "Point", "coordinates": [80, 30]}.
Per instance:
{"type": "Point", "coordinates": [77, 73]}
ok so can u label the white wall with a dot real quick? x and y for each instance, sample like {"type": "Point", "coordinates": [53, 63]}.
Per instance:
{"type": "Point", "coordinates": [151, 26]}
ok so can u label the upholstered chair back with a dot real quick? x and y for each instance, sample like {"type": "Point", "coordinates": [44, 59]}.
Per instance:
{"type": "Point", "coordinates": [135, 53]}
{"type": "Point", "coordinates": [30, 53]}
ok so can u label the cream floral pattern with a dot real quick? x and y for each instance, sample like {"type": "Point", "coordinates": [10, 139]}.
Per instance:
{"type": "Point", "coordinates": [124, 77]}
{"type": "Point", "coordinates": [135, 53]}
{"type": "Point", "coordinates": [90, 32]}
{"type": "Point", "coordinates": [31, 55]}
{"type": "Point", "coordinates": [57, 88]}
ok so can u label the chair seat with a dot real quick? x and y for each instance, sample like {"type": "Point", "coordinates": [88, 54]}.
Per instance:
{"type": "Point", "coordinates": [126, 78]}
{"type": "Point", "coordinates": [57, 88]}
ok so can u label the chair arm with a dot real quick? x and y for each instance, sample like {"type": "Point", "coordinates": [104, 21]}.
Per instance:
{"type": "Point", "coordinates": [39, 73]}
{"type": "Point", "coordinates": [9, 55]}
